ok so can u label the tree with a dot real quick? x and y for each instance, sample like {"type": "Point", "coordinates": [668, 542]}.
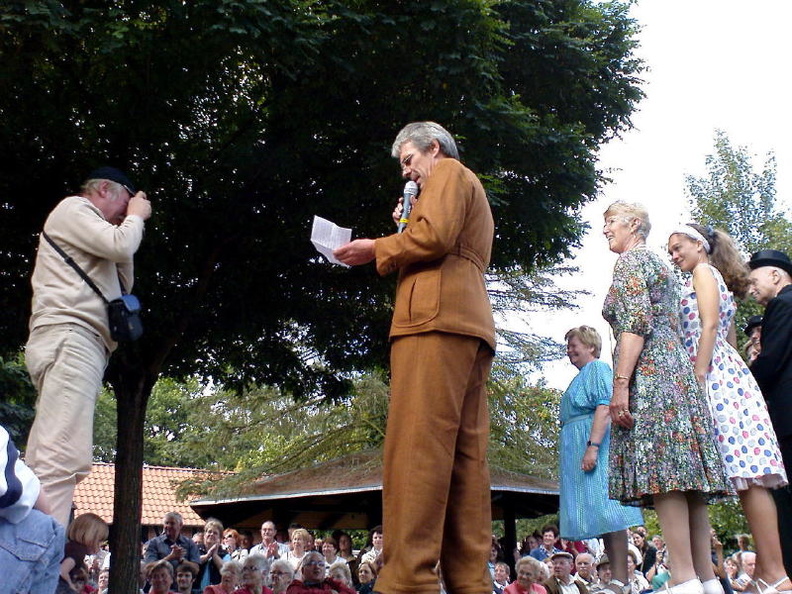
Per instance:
{"type": "Point", "coordinates": [243, 118]}
{"type": "Point", "coordinates": [737, 198]}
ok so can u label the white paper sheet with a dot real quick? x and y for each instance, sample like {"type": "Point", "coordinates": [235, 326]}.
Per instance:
{"type": "Point", "coordinates": [327, 236]}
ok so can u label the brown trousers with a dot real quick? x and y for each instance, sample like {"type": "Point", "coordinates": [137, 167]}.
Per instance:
{"type": "Point", "coordinates": [436, 491]}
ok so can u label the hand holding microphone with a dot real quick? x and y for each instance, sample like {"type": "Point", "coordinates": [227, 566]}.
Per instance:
{"type": "Point", "coordinates": [410, 190]}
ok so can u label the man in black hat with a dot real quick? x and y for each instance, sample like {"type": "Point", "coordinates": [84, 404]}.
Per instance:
{"type": "Point", "coordinates": [69, 345]}
{"type": "Point", "coordinates": [771, 286]}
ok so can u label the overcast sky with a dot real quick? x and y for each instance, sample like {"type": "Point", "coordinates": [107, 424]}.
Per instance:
{"type": "Point", "coordinates": [714, 65]}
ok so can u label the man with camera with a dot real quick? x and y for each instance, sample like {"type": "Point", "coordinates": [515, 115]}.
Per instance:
{"type": "Point", "coordinates": [99, 230]}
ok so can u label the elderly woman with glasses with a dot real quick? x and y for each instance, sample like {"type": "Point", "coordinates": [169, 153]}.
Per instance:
{"type": "Point", "coordinates": [313, 580]}
{"type": "Point", "coordinates": [230, 574]}
{"type": "Point", "coordinates": [281, 575]}
{"type": "Point", "coordinates": [254, 569]}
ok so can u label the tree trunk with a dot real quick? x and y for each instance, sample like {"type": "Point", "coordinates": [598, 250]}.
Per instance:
{"type": "Point", "coordinates": [132, 384]}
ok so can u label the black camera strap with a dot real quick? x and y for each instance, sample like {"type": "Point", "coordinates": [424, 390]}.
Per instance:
{"type": "Point", "coordinates": [70, 261]}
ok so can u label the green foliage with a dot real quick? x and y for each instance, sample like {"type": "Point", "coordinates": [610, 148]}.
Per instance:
{"type": "Point", "coordinates": [17, 399]}
{"type": "Point", "coordinates": [737, 198]}
{"type": "Point", "coordinates": [243, 119]}
{"type": "Point", "coordinates": [523, 424]}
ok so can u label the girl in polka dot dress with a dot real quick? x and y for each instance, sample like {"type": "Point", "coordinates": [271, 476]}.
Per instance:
{"type": "Point", "coordinates": [745, 436]}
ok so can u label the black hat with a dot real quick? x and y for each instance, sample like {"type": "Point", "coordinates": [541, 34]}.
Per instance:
{"type": "Point", "coordinates": [770, 258]}
{"type": "Point", "coordinates": [753, 322]}
{"type": "Point", "coordinates": [113, 174]}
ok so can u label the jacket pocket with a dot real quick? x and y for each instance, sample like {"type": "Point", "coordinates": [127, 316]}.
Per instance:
{"type": "Point", "coordinates": [418, 298]}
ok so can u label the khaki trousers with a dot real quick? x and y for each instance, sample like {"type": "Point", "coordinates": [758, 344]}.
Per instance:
{"type": "Point", "coordinates": [436, 491]}
{"type": "Point", "coordinates": [66, 363]}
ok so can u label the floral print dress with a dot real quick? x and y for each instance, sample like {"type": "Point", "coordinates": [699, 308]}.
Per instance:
{"type": "Point", "coordinates": [671, 446]}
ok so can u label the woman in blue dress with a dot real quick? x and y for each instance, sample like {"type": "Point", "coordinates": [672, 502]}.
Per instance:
{"type": "Point", "coordinates": [586, 511]}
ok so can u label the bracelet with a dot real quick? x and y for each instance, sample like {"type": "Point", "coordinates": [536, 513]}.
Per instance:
{"type": "Point", "coordinates": [618, 377]}
{"type": "Point", "coordinates": [592, 443]}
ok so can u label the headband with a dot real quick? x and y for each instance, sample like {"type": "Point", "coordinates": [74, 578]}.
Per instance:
{"type": "Point", "coordinates": [692, 233]}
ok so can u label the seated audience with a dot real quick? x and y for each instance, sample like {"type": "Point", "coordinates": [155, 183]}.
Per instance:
{"type": "Point", "coordinates": [85, 536]}
{"type": "Point", "coordinates": [160, 577]}
{"type": "Point", "coordinates": [732, 569]}
{"type": "Point", "coordinates": [547, 548]}
{"type": "Point", "coordinates": [300, 541]}
{"type": "Point", "coordinates": [339, 571]}
{"type": "Point", "coordinates": [230, 575]}
{"type": "Point", "coordinates": [232, 542]}
{"type": "Point", "coordinates": [501, 578]}
{"type": "Point", "coordinates": [373, 554]}
{"type": "Point", "coordinates": [212, 555]}
{"type": "Point", "coordinates": [604, 575]}
{"type": "Point", "coordinates": [254, 568]}
{"type": "Point", "coordinates": [528, 571]}
{"type": "Point", "coordinates": [748, 562]}
{"type": "Point", "coordinates": [636, 579]}
{"type": "Point", "coordinates": [312, 569]}
{"type": "Point", "coordinates": [281, 575]}
{"type": "Point", "coordinates": [330, 551]}
{"type": "Point", "coordinates": [584, 570]}
{"type": "Point", "coordinates": [367, 575]}
{"type": "Point", "coordinates": [561, 580]}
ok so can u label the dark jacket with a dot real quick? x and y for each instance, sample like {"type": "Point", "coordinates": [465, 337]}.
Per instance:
{"type": "Point", "coordinates": [773, 367]}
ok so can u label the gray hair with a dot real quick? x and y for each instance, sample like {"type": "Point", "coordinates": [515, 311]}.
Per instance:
{"type": "Point", "coordinates": [343, 567]}
{"type": "Point", "coordinates": [175, 516]}
{"type": "Point", "coordinates": [422, 134]}
{"type": "Point", "coordinates": [231, 567]}
{"type": "Point", "coordinates": [283, 566]}
{"type": "Point", "coordinates": [628, 211]}
{"type": "Point", "coordinates": [259, 561]}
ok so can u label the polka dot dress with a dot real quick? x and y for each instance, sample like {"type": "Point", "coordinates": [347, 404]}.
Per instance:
{"type": "Point", "coordinates": [746, 439]}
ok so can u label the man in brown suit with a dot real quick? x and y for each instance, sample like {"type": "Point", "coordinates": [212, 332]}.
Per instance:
{"type": "Point", "coordinates": [436, 492]}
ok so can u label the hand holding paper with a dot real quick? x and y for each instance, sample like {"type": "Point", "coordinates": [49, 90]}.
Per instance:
{"type": "Point", "coordinates": [360, 251]}
{"type": "Point", "coordinates": [327, 236]}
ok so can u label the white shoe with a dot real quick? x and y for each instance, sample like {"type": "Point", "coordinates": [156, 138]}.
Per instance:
{"type": "Point", "coordinates": [693, 586]}
{"type": "Point", "coordinates": [712, 586]}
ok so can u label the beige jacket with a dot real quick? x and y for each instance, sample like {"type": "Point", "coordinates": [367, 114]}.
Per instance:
{"type": "Point", "coordinates": [103, 250]}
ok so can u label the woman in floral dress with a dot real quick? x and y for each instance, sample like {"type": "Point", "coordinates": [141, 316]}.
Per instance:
{"type": "Point", "coordinates": [745, 435]}
{"type": "Point", "coordinates": [662, 451]}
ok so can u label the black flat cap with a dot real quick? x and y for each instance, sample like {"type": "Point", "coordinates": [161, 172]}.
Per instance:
{"type": "Point", "coordinates": [113, 174]}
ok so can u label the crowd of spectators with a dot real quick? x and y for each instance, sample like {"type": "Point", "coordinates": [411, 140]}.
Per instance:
{"type": "Point", "coordinates": [547, 565]}
{"type": "Point", "coordinates": [298, 562]}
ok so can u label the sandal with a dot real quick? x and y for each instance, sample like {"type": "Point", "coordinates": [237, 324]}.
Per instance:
{"type": "Point", "coordinates": [764, 588]}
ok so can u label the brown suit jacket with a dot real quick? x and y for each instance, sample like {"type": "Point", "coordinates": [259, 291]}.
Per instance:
{"type": "Point", "coordinates": [552, 586]}
{"type": "Point", "coordinates": [441, 258]}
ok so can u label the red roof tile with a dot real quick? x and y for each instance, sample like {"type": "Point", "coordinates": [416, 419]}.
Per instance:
{"type": "Point", "coordinates": [95, 493]}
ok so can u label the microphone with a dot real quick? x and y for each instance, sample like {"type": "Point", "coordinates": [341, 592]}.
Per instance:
{"type": "Point", "coordinates": [410, 190]}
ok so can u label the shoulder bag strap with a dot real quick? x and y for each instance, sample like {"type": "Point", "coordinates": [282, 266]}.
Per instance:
{"type": "Point", "coordinates": [70, 261]}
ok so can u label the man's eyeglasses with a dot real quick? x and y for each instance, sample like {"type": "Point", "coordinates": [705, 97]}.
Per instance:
{"type": "Point", "coordinates": [407, 160]}
{"type": "Point", "coordinates": [131, 193]}
{"type": "Point", "coordinates": [277, 573]}
{"type": "Point", "coordinates": [317, 563]}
